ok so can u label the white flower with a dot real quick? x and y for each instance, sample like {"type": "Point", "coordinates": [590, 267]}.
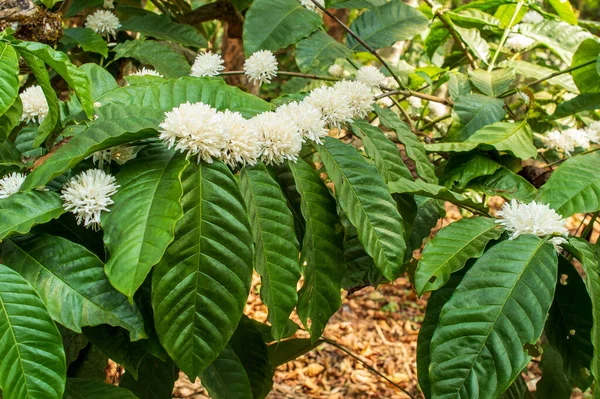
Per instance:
{"type": "Point", "coordinates": [370, 76]}
{"type": "Point", "coordinates": [518, 42]}
{"type": "Point", "coordinates": [384, 102]}
{"type": "Point", "coordinates": [261, 66]}
{"type": "Point", "coordinates": [567, 140]}
{"type": "Point", "coordinates": [207, 64]}
{"type": "Point", "coordinates": [336, 70]}
{"type": "Point", "coordinates": [120, 154]}
{"type": "Point", "coordinates": [532, 17]}
{"type": "Point", "coordinates": [311, 6]}
{"type": "Point", "coordinates": [244, 145]}
{"type": "Point", "coordinates": [35, 106]}
{"type": "Point", "coordinates": [533, 218]}
{"type": "Point", "coordinates": [437, 109]}
{"type": "Point", "coordinates": [88, 194]}
{"type": "Point", "coordinates": [593, 132]}
{"type": "Point", "coordinates": [103, 22]}
{"type": "Point", "coordinates": [109, 4]}
{"type": "Point", "coordinates": [307, 118]}
{"type": "Point", "coordinates": [195, 129]}
{"type": "Point", "coordinates": [10, 184]}
{"type": "Point", "coordinates": [279, 136]}
{"type": "Point", "coordinates": [359, 96]}
{"type": "Point", "coordinates": [579, 137]}
{"type": "Point", "coordinates": [334, 106]}
{"type": "Point", "coordinates": [147, 72]}
{"type": "Point", "coordinates": [415, 102]}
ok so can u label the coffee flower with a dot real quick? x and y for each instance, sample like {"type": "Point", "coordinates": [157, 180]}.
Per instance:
{"type": "Point", "coordinates": [35, 106]}
{"type": "Point", "coordinates": [10, 184]}
{"type": "Point", "coordinates": [280, 138]}
{"type": "Point", "coordinates": [261, 67]}
{"type": "Point", "coordinates": [358, 95]}
{"type": "Point", "coordinates": [207, 64]}
{"type": "Point", "coordinates": [147, 72]}
{"type": "Point", "coordinates": [103, 22]}
{"type": "Point", "coordinates": [243, 144]}
{"type": "Point", "coordinates": [370, 76]}
{"type": "Point", "coordinates": [307, 118]}
{"type": "Point", "coordinates": [518, 42]}
{"type": "Point", "coordinates": [334, 106]}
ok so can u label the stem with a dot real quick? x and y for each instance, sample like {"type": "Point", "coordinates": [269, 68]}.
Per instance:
{"type": "Point", "coordinates": [283, 73]}
{"type": "Point", "coordinates": [361, 41]}
{"type": "Point", "coordinates": [505, 35]}
{"type": "Point", "coordinates": [564, 159]}
{"type": "Point", "coordinates": [409, 93]}
{"type": "Point", "coordinates": [368, 366]}
{"type": "Point", "coordinates": [405, 114]}
{"type": "Point", "coordinates": [436, 121]}
{"type": "Point", "coordinates": [590, 227]}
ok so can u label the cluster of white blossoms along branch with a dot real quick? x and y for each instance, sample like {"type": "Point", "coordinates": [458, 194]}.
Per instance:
{"type": "Point", "coordinates": [104, 23]}
{"type": "Point", "coordinates": [570, 139]}
{"type": "Point", "coordinates": [260, 67]}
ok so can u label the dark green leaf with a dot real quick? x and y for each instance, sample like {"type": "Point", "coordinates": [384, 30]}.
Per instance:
{"type": "Point", "coordinates": [472, 112]}
{"type": "Point", "coordinates": [288, 350]}
{"type": "Point", "coordinates": [517, 390]}
{"type": "Point", "coordinates": [87, 39]}
{"type": "Point", "coordinates": [461, 169]}
{"type": "Point", "coordinates": [9, 76]}
{"type": "Point", "coordinates": [492, 83]}
{"type": "Point", "coordinates": [78, 388]}
{"type": "Point", "coordinates": [226, 377]}
{"type": "Point", "coordinates": [319, 51]}
{"type": "Point", "coordinates": [162, 28]}
{"type": "Point", "coordinates": [586, 78]}
{"type": "Point", "coordinates": [21, 211]}
{"type": "Point", "coordinates": [583, 102]}
{"type": "Point", "coordinates": [554, 384]}
{"type": "Point", "coordinates": [10, 119]}
{"type": "Point", "coordinates": [156, 379]}
{"type": "Point", "coordinates": [164, 59]}
{"type": "Point", "coordinates": [9, 154]}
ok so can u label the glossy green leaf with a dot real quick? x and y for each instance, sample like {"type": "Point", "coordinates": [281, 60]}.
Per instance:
{"type": "Point", "coordinates": [363, 195]}
{"type": "Point", "coordinates": [533, 71]}
{"type": "Point", "coordinates": [9, 76]}
{"type": "Point", "coordinates": [319, 51]}
{"type": "Point", "coordinates": [461, 169]}
{"type": "Point", "coordinates": [9, 154]}
{"type": "Point", "coordinates": [275, 243]}
{"type": "Point", "coordinates": [472, 112]}
{"type": "Point", "coordinates": [574, 187]}
{"type": "Point", "coordinates": [10, 119]}
{"type": "Point", "coordinates": [450, 249]}
{"type": "Point", "coordinates": [560, 37]}
{"type": "Point", "coordinates": [509, 15]}
{"type": "Point", "coordinates": [322, 249]}
{"type": "Point", "coordinates": [79, 388]}
{"type": "Point", "coordinates": [584, 102]}
{"type": "Point", "coordinates": [275, 24]}
{"type": "Point", "coordinates": [21, 211]}
{"type": "Point", "coordinates": [472, 38]}
{"type": "Point", "coordinates": [554, 384]}
{"type": "Point", "coordinates": [587, 78]}
{"type": "Point", "coordinates": [163, 58]}
{"type": "Point", "coordinates": [473, 18]}
{"type": "Point", "coordinates": [117, 125]}
{"type": "Point", "coordinates": [156, 379]}
{"type": "Point", "coordinates": [165, 96]}
{"type": "Point", "coordinates": [200, 286]}
{"type": "Point", "coordinates": [565, 10]}
{"type": "Point", "coordinates": [288, 350]}
{"type": "Point", "coordinates": [162, 28]}
{"type": "Point", "coordinates": [385, 25]}
{"type": "Point", "coordinates": [71, 282]}
{"type": "Point", "coordinates": [492, 83]}
{"type": "Point", "coordinates": [517, 390]}
{"type": "Point", "coordinates": [87, 39]}
{"type": "Point", "coordinates": [226, 377]}
{"type": "Point", "coordinates": [506, 184]}
{"type": "Point", "coordinates": [500, 305]}
{"type": "Point", "coordinates": [33, 358]}
{"type": "Point", "coordinates": [429, 211]}
{"type": "Point", "coordinates": [141, 223]}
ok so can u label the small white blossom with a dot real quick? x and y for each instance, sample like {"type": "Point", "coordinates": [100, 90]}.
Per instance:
{"type": "Point", "coordinates": [415, 102]}
{"type": "Point", "coordinates": [437, 109]}
{"type": "Point", "coordinates": [336, 70]}
{"type": "Point", "coordinates": [334, 106]}
{"type": "Point", "coordinates": [532, 17]}
{"type": "Point", "coordinates": [359, 96]}
{"type": "Point", "coordinates": [261, 66]}
{"type": "Point", "coordinates": [109, 4]}
{"type": "Point", "coordinates": [384, 102]}
{"type": "Point", "coordinates": [311, 6]}
{"type": "Point", "coordinates": [10, 184]}
{"type": "Point", "coordinates": [244, 145]}
{"type": "Point", "coordinates": [196, 129]}
{"type": "Point", "coordinates": [88, 194]}
{"type": "Point", "coordinates": [103, 22]}
{"type": "Point", "coordinates": [518, 42]}
{"type": "Point", "coordinates": [579, 137]}
{"type": "Point", "coordinates": [120, 154]}
{"type": "Point", "coordinates": [35, 106]}
{"type": "Point", "coordinates": [307, 118]}
{"type": "Point", "coordinates": [147, 72]}
{"type": "Point", "coordinates": [370, 76]}
{"type": "Point", "coordinates": [593, 132]}
{"type": "Point", "coordinates": [280, 138]}
{"type": "Point", "coordinates": [567, 140]}
{"type": "Point", "coordinates": [207, 64]}
{"type": "Point", "coordinates": [533, 218]}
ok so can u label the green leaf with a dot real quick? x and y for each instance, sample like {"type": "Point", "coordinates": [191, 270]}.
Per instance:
{"type": "Point", "coordinates": [473, 18]}
{"type": "Point", "coordinates": [499, 306]}
{"type": "Point", "coordinates": [163, 58]}
{"type": "Point", "coordinates": [87, 39]}
{"type": "Point", "coordinates": [288, 350]}
{"type": "Point", "coordinates": [156, 379]}
{"type": "Point", "coordinates": [472, 38]}
{"type": "Point", "coordinates": [76, 79]}
{"type": "Point", "coordinates": [517, 390]}
{"type": "Point", "coordinates": [9, 76]}
{"type": "Point", "coordinates": [584, 102]}
{"type": "Point", "coordinates": [33, 358]}
{"type": "Point", "coordinates": [142, 220]}
{"type": "Point", "coordinates": [49, 3]}
{"type": "Point", "coordinates": [275, 24]}
{"type": "Point", "coordinates": [117, 125]}
{"type": "Point", "coordinates": [162, 28]}
{"type": "Point", "coordinates": [226, 377]}
{"type": "Point", "coordinates": [438, 35]}
{"type": "Point", "coordinates": [71, 282]}
{"type": "Point", "coordinates": [472, 112]}
{"type": "Point", "coordinates": [275, 243]}
{"type": "Point", "coordinates": [450, 249]}
{"type": "Point", "coordinates": [533, 71]}
{"type": "Point", "coordinates": [10, 119]}
{"type": "Point", "coordinates": [363, 195]}
{"type": "Point", "coordinates": [429, 211]}
{"type": "Point", "coordinates": [200, 286]}
{"type": "Point", "coordinates": [565, 11]}
{"type": "Point", "coordinates": [172, 93]}
{"type": "Point", "coordinates": [21, 211]}
{"type": "Point", "coordinates": [79, 388]}
{"type": "Point", "coordinates": [461, 169]}
{"type": "Point", "coordinates": [492, 83]}
{"type": "Point", "coordinates": [516, 138]}
{"type": "Point", "coordinates": [383, 151]}
{"type": "Point", "coordinates": [102, 81]}
{"type": "Point", "coordinates": [414, 148]}
{"type": "Point", "coordinates": [508, 15]}
{"type": "Point", "coordinates": [554, 383]}
{"type": "Point", "coordinates": [322, 249]}
{"type": "Point", "coordinates": [506, 184]}
{"type": "Point", "coordinates": [385, 25]}
{"type": "Point", "coordinates": [9, 154]}
{"type": "Point", "coordinates": [560, 37]}
{"type": "Point", "coordinates": [586, 78]}
{"type": "Point", "coordinates": [574, 187]}
{"type": "Point", "coordinates": [319, 51]}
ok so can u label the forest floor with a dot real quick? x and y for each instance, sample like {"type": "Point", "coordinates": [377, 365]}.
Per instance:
{"type": "Point", "coordinates": [378, 325]}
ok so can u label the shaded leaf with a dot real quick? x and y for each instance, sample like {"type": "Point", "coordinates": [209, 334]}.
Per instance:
{"type": "Point", "coordinates": [318, 51]}
{"type": "Point", "coordinates": [87, 39]}
{"type": "Point", "coordinates": [9, 76]}
{"type": "Point", "coordinates": [156, 379]}
{"type": "Point", "coordinates": [162, 28]}
{"type": "Point", "coordinates": [21, 211]}
{"type": "Point", "coordinates": [165, 60]}
{"type": "Point", "coordinates": [472, 112]}
{"type": "Point", "coordinates": [79, 388]}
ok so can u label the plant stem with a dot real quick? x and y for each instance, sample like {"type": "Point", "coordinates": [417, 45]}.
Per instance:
{"type": "Point", "coordinates": [368, 366]}
{"type": "Point", "coordinates": [505, 35]}
{"type": "Point", "coordinates": [435, 121]}
{"type": "Point", "coordinates": [411, 125]}
{"type": "Point", "coordinates": [590, 226]}
{"type": "Point", "coordinates": [283, 73]}
{"type": "Point", "coordinates": [564, 159]}
{"type": "Point", "coordinates": [409, 93]}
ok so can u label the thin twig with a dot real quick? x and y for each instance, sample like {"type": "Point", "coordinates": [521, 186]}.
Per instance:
{"type": "Point", "coordinates": [412, 93]}
{"type": "Point", "coordinates": [436, 121]}
{"type": "Point", "coordinates": [405, 114]}
{"type": "Point", "coordinates": [564, 159]}
{"type": "Point", "coordinates": [590, 226]}
{"type": "Point", "coordinates": [368, 366]}
{"type": "Point", "coordinates": [283, 73]}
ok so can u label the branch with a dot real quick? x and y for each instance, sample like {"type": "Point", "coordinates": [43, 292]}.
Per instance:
{"type": "Point", "coordinates": [410, 122]}
{"type": "Point", "coordinates": [222, 10]}
{"type": "Point", "coordinates": [412, 93]}
{"type": "Point", "coordinates": [283, 73]}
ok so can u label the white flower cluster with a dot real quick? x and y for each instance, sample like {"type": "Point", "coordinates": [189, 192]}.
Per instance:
{"type": "Point", "coordinates": [518, 42]}
{"type": "Point", "coordinates": [261, 67]}
{"type": "Point", "coordinates": [570, 139]}
{"type": "Point", "coordinates": [532, 17]}
{"type": "Point", "coordinates": [147, 72]}
{"type": "Point", "coordinates": [274, 137]}
{"type": "Point", "coordinates": [207, 64]}
{"type": "Point", "coordinates": [88, 194]}
{"type": "Point", "coordinates": [35, 106]}
{"type": "Point", "coordinates": [370, 76]}
{"type": "Point", "coordinates": [10, 184]}
{"type": "Point", "coordinates": [104, 23]}
{"type": "Point", "coordinates": [533, 218]}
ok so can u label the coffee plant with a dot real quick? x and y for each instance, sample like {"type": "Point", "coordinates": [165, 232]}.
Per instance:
{"type": "Point", "coordinates": [154, 154]}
